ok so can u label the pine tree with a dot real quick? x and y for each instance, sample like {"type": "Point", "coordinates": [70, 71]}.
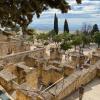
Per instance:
{"type": "Point", "coordinates": [66, 27]}
{"type": "Point", "coordinates": [56, 29]}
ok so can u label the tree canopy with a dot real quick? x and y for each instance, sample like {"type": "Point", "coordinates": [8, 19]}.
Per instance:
{"type": "Point", "coordinates": [21, 12]}
{"type": "Point", "coordinates": [77, 40]}
{"type": "Point", "coordinates": [65, 46]}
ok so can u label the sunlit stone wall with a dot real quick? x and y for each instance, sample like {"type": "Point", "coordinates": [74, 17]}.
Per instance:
{"type": "Point", "coordinates": [72, 83]}
{"type": "Point", "coordinates": [10, 47]}
{"type": "Point", "coordinates": [19, 57]}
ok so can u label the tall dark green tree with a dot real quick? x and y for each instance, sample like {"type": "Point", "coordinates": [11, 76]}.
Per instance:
{"type": "Point", "coordinates": [66, 27]}
{"type": "Point", "coordinates": [95, 29]}
{"type": "Point", "coordinates": [56, 29]}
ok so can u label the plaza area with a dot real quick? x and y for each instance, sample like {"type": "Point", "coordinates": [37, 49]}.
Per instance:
{"type": "Point", "coordinates": [92, 91]}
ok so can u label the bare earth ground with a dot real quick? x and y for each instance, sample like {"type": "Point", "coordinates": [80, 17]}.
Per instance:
{"type": "Point", "coordinates": [92, 91]}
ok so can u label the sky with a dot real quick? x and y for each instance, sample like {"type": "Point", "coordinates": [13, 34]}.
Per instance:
{"type": "Point", "coordinates": [88, 12]}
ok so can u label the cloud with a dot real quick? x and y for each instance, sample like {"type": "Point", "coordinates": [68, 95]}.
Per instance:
{"type": "Point", "coordinates": [88, 11]}
{"type": "Point", "coordinates": [89, 8]}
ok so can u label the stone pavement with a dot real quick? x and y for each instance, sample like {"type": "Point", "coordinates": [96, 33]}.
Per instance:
{"type": "Point", "coordinates": [92, 91]}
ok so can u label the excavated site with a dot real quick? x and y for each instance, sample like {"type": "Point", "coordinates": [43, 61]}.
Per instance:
{"type": "Point", "coordinates": [41, 73]}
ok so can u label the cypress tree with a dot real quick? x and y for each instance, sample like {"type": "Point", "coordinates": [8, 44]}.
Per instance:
{"type": "Point", "coordinates": [66, 27]}
{"type": "Point", "coordinates": [95, 29]}
{"type": "Point", "coordinates": [56, 24]}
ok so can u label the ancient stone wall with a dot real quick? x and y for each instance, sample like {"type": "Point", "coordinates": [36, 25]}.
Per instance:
{"type": "Point", "coordinates": [21, 96]}
{"type": "Point", "coordinates": [50, 77]}
{"type": "Point", "coordinates": [77, 59]}
{"type": "Point", "coordinates": [3, 37]}
{"type": "Point", "coordinates": [7, 47]}
{"type": "Point", "coordinates": [98, 69]}
{"type": "Point", "coordinates": [71, 83]}
{"type": "Point", "coordinates": [6, 85]}
{"type": "Point", "coordinates": [55, 54]}
{"type": "Point", "coordinates": [19, 57]}
{"type": "Point", "coordinates": [83, 78]}
{"type": "Point", "coordinates": [68, 71]}
{"type": "Point", "coordinates": [95, 58]}
{"type": "Point", "coordinates": [32, 79]}
{"type": "Point", "coordinates": [29, 61]}
{"type": "Point", "coordinates": [98, 72]}
{"type": "Point", "coordinates": [3, 48]}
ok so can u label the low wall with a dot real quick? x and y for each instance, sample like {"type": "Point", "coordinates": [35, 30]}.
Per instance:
{"type": "Point", "coordinates": [19, 57]}
{"type": "Point", "coordinates": [72, 83]}
{"type": "Point", "coordinates": [13, 46]}
{"type": "Point", "coordinates": [83, 78]}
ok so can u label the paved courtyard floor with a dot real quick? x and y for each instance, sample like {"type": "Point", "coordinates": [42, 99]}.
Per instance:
{"type": "Point", "coordinates": [92, 91]}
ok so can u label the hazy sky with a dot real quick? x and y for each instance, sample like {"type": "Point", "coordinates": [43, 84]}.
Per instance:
{"type": "Point", "coordinates": [87, 12]}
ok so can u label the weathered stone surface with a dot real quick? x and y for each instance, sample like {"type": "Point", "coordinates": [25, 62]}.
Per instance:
{"type": "Point", "coordinates": [19, 57]}
{"type": "Point", "coordinates": [71, 83]}
{"type": "Point", "coordinates": [12, 46]}
{"type": "Point", "coordinates": [6, 79]}
{"type": "Point", "coordinates": [55, 54]}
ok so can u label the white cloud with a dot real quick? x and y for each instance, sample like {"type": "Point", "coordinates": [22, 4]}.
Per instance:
{"type": "Point", "coordinates": [88, 11]}
{"type": "Point", "coordinates": [87, 7]}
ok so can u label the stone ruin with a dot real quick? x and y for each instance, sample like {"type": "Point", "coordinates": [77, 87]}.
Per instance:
{"type": "Point", "coordinates": [32, 75]}
{"type": "Point", "coordinates": [12, 45]}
